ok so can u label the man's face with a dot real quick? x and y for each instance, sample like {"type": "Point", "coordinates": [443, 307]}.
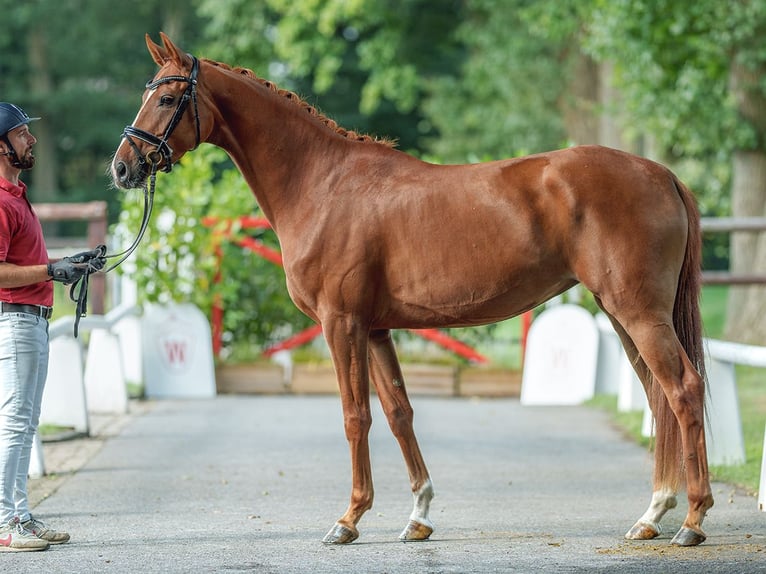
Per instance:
{"type": "Point", "coordinates": [22, 141]}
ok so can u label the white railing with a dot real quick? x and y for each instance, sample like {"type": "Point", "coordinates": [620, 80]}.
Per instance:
{"type": "Point", "coordinates": [723, 424]}
{"type": "Point", "coordinates": [95, 381]}
{"type": "Point", "coordinates": [724, 355]}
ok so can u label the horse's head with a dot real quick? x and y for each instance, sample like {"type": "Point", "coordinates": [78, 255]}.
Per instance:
{"type": "Point", "coordinates": [168, 123]}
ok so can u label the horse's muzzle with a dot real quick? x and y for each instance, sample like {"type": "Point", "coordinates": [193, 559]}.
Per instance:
{"type": "Point", "coordinates": [125, 176]}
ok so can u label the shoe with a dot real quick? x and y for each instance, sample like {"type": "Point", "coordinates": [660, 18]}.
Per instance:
{"type": "Point", "coordinates": [39, 529]}
{"type": "Point", "coordinates": [14, 538]}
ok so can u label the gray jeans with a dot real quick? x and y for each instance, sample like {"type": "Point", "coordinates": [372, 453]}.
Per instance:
{"type": "Point", "coordinates": [23, 369]}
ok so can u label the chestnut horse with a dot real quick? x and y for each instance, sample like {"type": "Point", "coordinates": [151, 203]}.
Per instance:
{"type": "Point", "coordinates": [374, 239]}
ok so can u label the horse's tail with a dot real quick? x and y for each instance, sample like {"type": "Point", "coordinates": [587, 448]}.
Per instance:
{"type": "Point", "coordinates": [686, 313]}
{"type": "Point", "coordinates": [687, 322]}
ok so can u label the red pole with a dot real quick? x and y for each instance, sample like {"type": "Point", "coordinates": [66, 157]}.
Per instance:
{"type": "Point", "coordinates": [451, 344]}
{"type": "Point", "coordinates": [295, 341]}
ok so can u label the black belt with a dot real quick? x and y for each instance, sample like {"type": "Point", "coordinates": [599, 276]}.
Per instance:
{"type": "Point", "coordinates": [39, 310]}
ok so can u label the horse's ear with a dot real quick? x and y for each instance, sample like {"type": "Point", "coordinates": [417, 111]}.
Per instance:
{"type": "Point", "coordinates": [173, 53]}
{"type": "Point", "coordinates": [158, 53]}
{"type": "Point", "coordinates": [168, 51]}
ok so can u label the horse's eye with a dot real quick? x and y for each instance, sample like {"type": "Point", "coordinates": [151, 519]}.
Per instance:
{"type": "Point", "coordinates": [166, 100]}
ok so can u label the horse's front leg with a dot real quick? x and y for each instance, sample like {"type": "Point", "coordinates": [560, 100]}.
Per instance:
{"type": "Point", "coordinates": [348, 346]}
{"type": "Point", "coordinates": [389, 383]}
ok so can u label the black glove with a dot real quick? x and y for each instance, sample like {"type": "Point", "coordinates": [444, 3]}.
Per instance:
{"type": "Point", "coordinates": [65, 271]}
{"type": "Point", "coordinates": [70, 269]}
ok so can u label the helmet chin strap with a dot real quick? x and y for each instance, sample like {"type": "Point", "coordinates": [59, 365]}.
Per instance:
{"type": "Point", "coordinates": [11, 152]}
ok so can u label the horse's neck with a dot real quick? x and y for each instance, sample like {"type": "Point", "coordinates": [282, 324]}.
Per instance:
{"type": "Point", "coordinates": [277, 146]}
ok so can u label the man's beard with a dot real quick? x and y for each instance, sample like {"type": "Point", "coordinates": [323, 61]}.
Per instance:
{"type": "Point", "coordinates": [27, 162]}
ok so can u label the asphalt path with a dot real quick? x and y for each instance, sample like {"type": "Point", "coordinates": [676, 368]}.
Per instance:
{"type": "Point", "coordinates": [252, 484]}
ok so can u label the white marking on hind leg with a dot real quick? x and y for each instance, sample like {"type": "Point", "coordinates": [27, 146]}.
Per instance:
{"type": "Point", "coordinates": [423, 497]}
{"type": "Point", "coordinates": [662, 501]}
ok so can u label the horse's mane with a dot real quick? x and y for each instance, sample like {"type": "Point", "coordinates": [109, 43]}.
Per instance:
{"type": "Point", "coordinates": [298, 101]}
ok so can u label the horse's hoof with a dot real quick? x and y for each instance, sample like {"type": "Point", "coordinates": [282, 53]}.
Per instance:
{"type": "Point", "coordinates": [416, 531]}
{"type": "Point", "coordinates": [688, 537]}
{"type": "Point", "coordinates": [340, 534]}
{"type": "Point", "coordinates": [643, 531]}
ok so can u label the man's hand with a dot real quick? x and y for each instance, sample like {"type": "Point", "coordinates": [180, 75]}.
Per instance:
{"type": "Point", "coordinates": [65, 271]}
{"type": "Point", "coordinates": [70, 269]}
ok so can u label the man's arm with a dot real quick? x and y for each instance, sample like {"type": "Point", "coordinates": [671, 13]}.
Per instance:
{"type": "Point", "coordinates": [18, 276]}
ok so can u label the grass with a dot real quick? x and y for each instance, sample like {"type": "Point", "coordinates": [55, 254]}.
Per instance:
{"type": "Point", "coordinates": [752, 410]}
{"type": "Point", "coordinates": [751, 387]}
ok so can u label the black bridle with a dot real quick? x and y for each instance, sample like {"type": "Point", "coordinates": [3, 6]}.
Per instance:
{"type": "Point", "coordinates": [163, 151]}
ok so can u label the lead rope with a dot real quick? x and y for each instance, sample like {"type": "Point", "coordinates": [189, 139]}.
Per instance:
{"type": "Point", "coordinates": [78, 292]}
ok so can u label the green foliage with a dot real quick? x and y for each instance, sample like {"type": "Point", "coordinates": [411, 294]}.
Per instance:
{"type": "Point", "coordinates": [81, 66]}
{"type": "Point", "coordinates": [178, 258]}
{"type": "Point", "coordinates": [365, 63]}
{"type": "Point", "coordinates": [502, 101]}
{"type": "Point", "coordinates": [673, 64]}
{"type": "Point", "coordinates": [713, 307]}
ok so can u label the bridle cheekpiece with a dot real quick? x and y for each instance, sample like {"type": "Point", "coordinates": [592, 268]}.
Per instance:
{"type": "Point", "coordinates": [163, 151]}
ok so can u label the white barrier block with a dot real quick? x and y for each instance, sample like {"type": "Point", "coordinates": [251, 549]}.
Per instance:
{"type": "Point", "coordinates": [105, 385]}
{"type": "Point", "coordinates": [284, 358]}
{"type": "Point", "coordinates": [762, 489]}
{"type": "Point", "coordinates": [561, 357]}
{"type": "Point", "coordinates": [610, 353]}
{"type": "Point", "coordinates": [36, 460]}
{"type": "Point", "coordinates": [64, 402]}
{"type": "Point", "coordinates": [178, 352]}
{"type": "Point", "coordinates": [128, 331]}
{"type": "Point", "coordinates": [647, 423]}
{"type": "Point", "coordinates": [631, 395]}
{"type": "Point", "coordinates": [723, 426]}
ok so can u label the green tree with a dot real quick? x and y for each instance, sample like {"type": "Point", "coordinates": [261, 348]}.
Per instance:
{"type": "Point", "coordinates": [80, 66]}
{"type": "Point", "coordinates": [365, 63]}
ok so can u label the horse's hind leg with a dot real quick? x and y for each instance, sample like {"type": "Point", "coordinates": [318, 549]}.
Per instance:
{"type": "Point", "coordinates": [679, 400]}
{"type": "Point", "coordinates": [667, 467]}
{"type": "Point", "coordinates": [389, 383]}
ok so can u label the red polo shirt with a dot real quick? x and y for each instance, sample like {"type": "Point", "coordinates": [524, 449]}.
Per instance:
{"type": "Point", "coordinates": [22, 243]}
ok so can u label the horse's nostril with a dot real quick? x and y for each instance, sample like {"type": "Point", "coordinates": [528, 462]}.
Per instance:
{"type": "Point", "coordinates": [121, 171]}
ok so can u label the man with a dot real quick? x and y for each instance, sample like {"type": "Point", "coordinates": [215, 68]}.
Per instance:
{"type": "Point", "coordinates": [26, 299]}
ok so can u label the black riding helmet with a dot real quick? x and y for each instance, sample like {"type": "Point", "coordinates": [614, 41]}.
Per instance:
{"type": "Point", "coordinates": [11, 117]}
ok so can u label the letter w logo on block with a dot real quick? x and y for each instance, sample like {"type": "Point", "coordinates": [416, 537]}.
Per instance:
{"type": "Point", "coordinates": [175, 350]}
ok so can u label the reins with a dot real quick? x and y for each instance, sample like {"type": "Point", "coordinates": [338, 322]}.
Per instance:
{"type": "Point", "coordinates": [78, 292]}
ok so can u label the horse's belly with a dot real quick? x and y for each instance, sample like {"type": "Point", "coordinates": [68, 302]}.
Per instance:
{"type": "Point", "coordinates": [462, 300]}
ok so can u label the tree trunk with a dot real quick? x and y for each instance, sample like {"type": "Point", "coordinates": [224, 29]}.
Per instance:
{"type": "Point", "coordinates": [45, 176]}
{"type": "Point", "coordinates": [610, 129]}
{"type": "Point", "coordinates": [747, 305]}
{"type": "Point", "coordinates": [579, 102]}
{"type": "Point", "coordinates": [591, 105]}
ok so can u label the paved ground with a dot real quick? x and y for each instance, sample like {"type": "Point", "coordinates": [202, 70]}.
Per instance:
{"type": "Point", "coordinates": [251, 484]}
